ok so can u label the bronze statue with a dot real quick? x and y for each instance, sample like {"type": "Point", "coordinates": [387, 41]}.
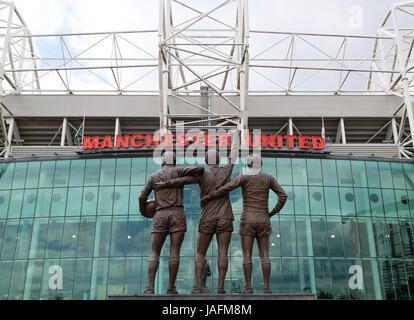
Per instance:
{"type": "Point", "coordinates": [169, 218]}
{"type": "Point", "coordinates": [216, 216]}
{"type": "Point", "coordinates": [206, 274]}
{"type": "Point", "coordinates": [255, 220]}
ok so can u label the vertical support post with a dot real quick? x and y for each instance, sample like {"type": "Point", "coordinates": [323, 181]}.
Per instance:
{"type": "Point", "coordinates": [9, 140]}
{"type": "Point", "coordinates": [394, 130]}
{"type": "Point", "coordinates": [117, 128]}
{"type": "Point", "coordinates": [6, 44]}
{"type": "Point", "coordinates": [343, 133]}
{"type": "Point", "coordinates": [64, 130]}
{"type": "Point", "coordinates": [290, 127]}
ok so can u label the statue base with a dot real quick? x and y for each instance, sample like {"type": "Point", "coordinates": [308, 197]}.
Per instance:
{"type": "Point", "coordinates": [213, 297]}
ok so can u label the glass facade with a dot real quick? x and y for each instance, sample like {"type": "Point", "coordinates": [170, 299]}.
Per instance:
{"type": "Point", "coordinates": [346, 231]}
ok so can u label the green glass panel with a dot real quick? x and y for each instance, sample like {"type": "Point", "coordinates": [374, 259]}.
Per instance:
{"type": "Point", "coordinates": [33, 280]}
{"type": "Point", "coordinates": [107, 176]}
{"type": "Point", "coordinates": [372, 279]}
{"type": "Point", "coordinates": [367, 237]}
{"type": "Point", "coordinates": [19, 178]}
{"type": "Point", "coordinates": [275, 249]}
{"type": "Point", "coordinates": [304, 236]}
{"type": "Point", "coordinates": [70, 238]}
{"type": "Point", "coordinates": [284, 171]}
{"type": "Point", "coordinates": [44, 198]}
{"type": "Point", "coordinates": [323, 279]}
{"type": "Point", "coordinates": [317, 200]}
{"type": "Point", "coordinates": [132, 281]}
{"type": "Point", "coordinates": [376, 202]}
{"type": "Point", "coordinates": [306, 275]}
{"type": "Point", "coordinates": [385, 270]}
{"type": "Point", "coordinates": [409, 269]}
{"type": "Point", "coordinates": [86, 237]}
{"type": "Point", "coordinates": [138, 171]}
{"type": "Point", "coordinates": [105, 202]}
{"type": "Point", "coordinates": [62, 173]}
{"type": "Point", "coordinates": [119, 236]}
{"type": "Point", "coordinates": [359, 174]}
{"type": "Point", "coordinates": [23, 239]}
{"type": "Point", "coordinates": [269, 166]}
{"type": "Point", "coordinates": [102, 237]}
{"type": "Point", "coordinates": [81, 290]}
{"type": "Point", "coordinates": [6, 175]}
{"type": "Point", "coordinates": [17, 280]}
{"type": "Point", "coordinates": [398, 175]}
{"type": "Point", "coordinates": [332, 203]}
{"type": "Point", "coordinates": [288, 236]}
{"type": "Point", "coordinates": [299, 172]}
{"type": "Point", "coordinates": [339, 279]}
{"type": "Point", "coordinates": [319, 237]}
{"type": "Point", "coordinates": [301, 200]}
{"type": "Point", "coordinates": [390, 207]}
{"type": "Point", "coordinates": [39, 237]}
{"type": "Point", "coordinates": [69, 267]}
{"type": "Point", "coordinates": [351, 239]}
{"type": "Point", "coordinates": [90, 201]}
{"type": "Point", "coordinates": [74, 202]}
{"type": "Point", "coordinates": [276, 283]}
{"type": "Point", "coordinates": [407, 238]}
{"type": "Point", "coordinates": [314, 172]}
{"type": "Point", "coordinates": [77, 171]}
{"type": "Point", "coordinates": [335, 237]}
{"type": "Point", "coordinates": [47, 174]}
{"type": "Point", "coordinates": [373, 174]}
{"type": "Point", "coordinates": [344, 173]}
{"type": "Point", "coordinates": [329, 172]}
{"type": "Point", "coordinates": [58, 207]}
{"type": "Point", "coordinates": [4, 203]}
{"type": "Point", "coordinates": [54, 238]}
{"type": "Point", "coordinates": [290, 275]}
{"type": "Point", "coordinates": [394, 238]}
{"type": "Point", "coordinates": [362, 202]}
{"type": "Point", "coordinates": [123, 172]}
{"type": "Point", "coordinates": [99, 279]}
{"type": "Point", "coordinates": [409, 175]}
{"type": "Point", "coordinates": [134, 194]}
{"type": "Point", "coordinates": [15, 206]}
{"type": "Point", "coordinates": [116, 276]}
{"type": "Point", "coordinates": [410, 194]}
{"type": "Point", "coordinates": [399, 278]}
{"type": "Point", "coordinates": [121, 200]}
{"type": "Point", "coordinates": [92, 170]}
{"type": "Point", "coordinates": [2, 229]}
{"type": "Point", "coordinates": [153, 165]}
{"type": "Point", "coordinates": [381, 237]}
{"type": "Point", "coordinates": [347, 201]}
{"type": "Point", "coordinates": [402, 203]}
{"type": "Point", "coordinates": [288, 208]}
{"type": "Point", "coordinates": [6, 268]}
{"type": "Point", "coordinates": [46, 293]}
{"type": "Point", "coordinates": [385, 174]}
{"type": "Point", "coordinates": [29, 203]}
{"type": "Point", "coordinates": [135, 243]}
{"type": "Point", "coordinates": [357, 293]}
{"type": "Point", "coordinates": [10, 240]}
{"type": "Point", "coordinates": [32, 179]}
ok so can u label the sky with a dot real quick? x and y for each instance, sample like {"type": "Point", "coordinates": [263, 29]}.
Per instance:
{"type": "Point", "coordinates": [358, 17]}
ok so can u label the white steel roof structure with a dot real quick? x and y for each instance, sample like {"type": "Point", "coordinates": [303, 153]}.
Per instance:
{"type": "Point", "coordinates": [217, 50]}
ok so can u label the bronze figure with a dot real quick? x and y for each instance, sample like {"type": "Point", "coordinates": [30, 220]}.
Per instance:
{"type": "Point", "coordinates": [216, 216]}
{"type": "Point", "coordinates": [169, 218]}
{"type": "Point", "coordinates": [255, 220]}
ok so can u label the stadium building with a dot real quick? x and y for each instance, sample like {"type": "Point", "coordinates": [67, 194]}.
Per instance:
{"type": "Point", "coordinates": [331, 114]}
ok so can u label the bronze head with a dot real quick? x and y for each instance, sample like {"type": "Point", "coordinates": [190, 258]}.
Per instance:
{"type": "Point", "coordinates": [169, 158]}
{"type": "Point", "coordinates": [212, 157]}
{"type": "Point", "coordinates": [254, 161]}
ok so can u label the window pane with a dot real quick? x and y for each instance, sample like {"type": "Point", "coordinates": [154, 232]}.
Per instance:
{"type": "Point", "coordinates": [121, 200]}
{"type": "Point", "coordinates": [10, 239]}
{"type": "Point", "coordinates": [15, 206]}
{"type": "Point", "coordinates": [44, 197]}
{"type": "Point", "coordinates": [275, 245]}
{"type": "Point", "coordinates": [344, 173]}
{"type": "Point", "coordinates": [33, 280]}
{"type": "Point", "coordinates": [407, 237]}
{"type": "Point", "coordinates": [301, 200]}
{"type": "Point", "coordinates": [23, 239]}
{"type": "Point", "coordinates": [359, 174]}
{"type": "Point", "coordinates": [74, 202]}
{"type": "Point", "coordinates": [69, 267]}
{"type": "Point", "coordinates": [105, 203]}
{"type": "Point", "coordinates": [323, 279]}
{"type": "Point", "coordinates": [92, 170]}
{"type": "Point", "coordinates": [29, 203]}
{"type": "Point", "coordinates": [99, 279]}
{"type": "Point", "coordinates": [17, 280]}
{"type": "Point", "coordinates": [300, 176]}
{"type": "Point", "coordinates": [288, 208]}
{"type": "Point", "coordinates": [304, 236]}
{"type": "Point", "coordinates": [82, 287]}
{"type": "Point", "coordinates": [102, 237]}
{"type": "Point", "coordinates": [38, 243]}
{"type": "Point", "coordinates": [290, 275]}
{"type": "Point", "coordinates": [389, 203]}
{"type": "Point", "coordinates": [119, 236]}
{"type": "Point", "coordinates": [116, 276]}
{"type": "Point", "coordinates": [347, 201]}
{"type": "Point", "coordinates": [107, 176]}
{"type": "Point", "coordinates": [381, 238]}
{"type": "Point", "coordinates": [4, 203]}
{"type": "Point", "coordinates": [47, 174]}
{"type": "Point", "coordinates": [138, 170]}
{"type": "Point", "coordinates": [399, 279]}
{"type": "Point", "coordinates": [366, 237]}
{"type": "Point", "coordinates": [6, 268]}
{"type": "Point", "coordinates": [373, 174]}
{"type": "Point", "coordinates": [339, 279]}
{"type": "Point", "coordinates": [314, 172]}
{"type": "Point", "coordinates": [6, 175]}
{"type": "Point", "coordinates": [371, 279]}
{"type": "Point", "coordinates": [77, 170]}
{"type": "Point", "coordinates": [394, 238]}
{"type": "Point", "coordinates": [19, 178]}
{"type": "Point", "coordinates": [153, 165]}
{"type": "Point", "coordinates": [70, 238]}
{"type": "Point", "coordinates": [385, 174]}
{"type": "Point", "coordinates": [58, 206]}
{"type": "Point", "coordinates": [135, 237]}
{"type": "Point", "coordinates": [317, 201]}
{"type": "Point", "coordinates": [90, 201]}
{"type": "Point", "coordinates": [330, 177]}
{"type": "Point", "coordinates": [62, 173]}
{"type": "Point", "coordinates": [332, 201]}
{"type": "Point", "coordinates": [377, 207]}
{"type": "Point", "coordinates": [133, 199]}
{"type": "Point", "coordinates": [398, 175]}
{"type": "Point", "coordinates": [123, 172]}
{"type": "Point", "coordinates": [319, 237]}
{"type": "Point", "coordinates": [362, 202]}
{"type": "Point", "coordinates": [269, 166]}
{"type": "Point", "coordinates": [54, 238]}
{"type": "Point", "coordinates": [86, 237]}
{"type": "Point", "coordinates": [132, 281]}
{"type": "Point", "coordinates": [351, 240]}
{"type": "Point", "coordinates": [284, 171]}
{"type": "Point", "coordinates": [335, 237]}
{"type": "Point", "coordinates": [402, 203]}
{"type": "Point", "coordinates": [288, 236]}
{"type": "Point", "coordinates": [409, 175]}
{"type": "Point", "coordinates": [307, 275]}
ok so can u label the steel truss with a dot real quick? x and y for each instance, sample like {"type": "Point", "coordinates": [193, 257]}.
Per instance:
{"type": "Point", "coordinates": [214, 48]}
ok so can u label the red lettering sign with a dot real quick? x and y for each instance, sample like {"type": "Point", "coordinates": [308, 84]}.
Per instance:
{"type": "Point", "coordinates": [90, 144]}
{"type": "Point", "coordinates": [134, 142]}
{"type": "Point", "coordinates": [107, 143]}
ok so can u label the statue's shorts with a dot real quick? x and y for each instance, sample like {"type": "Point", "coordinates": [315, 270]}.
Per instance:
{"type": "Point", "coordinates": [257, 230]}
{"type": "Point", "coordinates": [169, 220]}
{"type": "Point", "coordinates": [216, 226]}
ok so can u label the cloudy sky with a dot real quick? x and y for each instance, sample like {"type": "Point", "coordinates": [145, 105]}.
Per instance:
{"type": "Point", "coordinates": [360, 17]}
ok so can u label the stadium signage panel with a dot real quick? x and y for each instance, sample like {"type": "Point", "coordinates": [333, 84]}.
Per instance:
{"type": "Point", "coordinates": [183, 140]}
